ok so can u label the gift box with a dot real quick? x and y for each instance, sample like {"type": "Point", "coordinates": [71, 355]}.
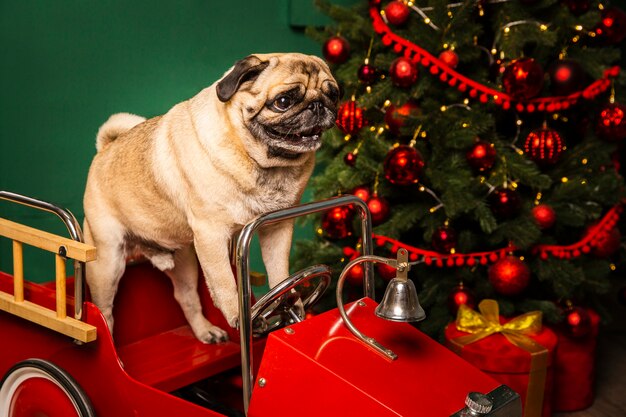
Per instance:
{"type": "Point", "coordinates": [517, 352]}
{"type": "Point", "coordinates": [574, 368]}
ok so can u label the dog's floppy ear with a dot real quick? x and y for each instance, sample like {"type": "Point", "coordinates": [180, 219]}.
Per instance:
{"type": "Point", "coordinates": [245, 70]}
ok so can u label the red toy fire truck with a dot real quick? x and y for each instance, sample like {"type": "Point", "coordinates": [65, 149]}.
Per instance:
{"type": "Point", "coordinates": [57, 357]}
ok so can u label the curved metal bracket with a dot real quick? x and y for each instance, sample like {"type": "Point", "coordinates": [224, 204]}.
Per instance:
{"type": "Point", "coordinates": [388, 353]}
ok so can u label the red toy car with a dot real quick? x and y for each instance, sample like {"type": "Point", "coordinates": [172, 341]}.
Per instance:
{"type": "Point", "coordinates": [57, 357]}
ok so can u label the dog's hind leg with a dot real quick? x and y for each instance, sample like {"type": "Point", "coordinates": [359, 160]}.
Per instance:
{"type": "Point", "coordinates": [104, 274]}
{"type": "Point", "coordinates": [184, 276]}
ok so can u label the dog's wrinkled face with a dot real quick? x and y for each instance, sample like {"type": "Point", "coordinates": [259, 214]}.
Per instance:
{"type": "Point", "coordinates": [287, 100]}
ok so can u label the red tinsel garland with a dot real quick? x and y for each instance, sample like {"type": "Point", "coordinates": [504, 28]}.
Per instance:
{"type": "Point", "coordinates": [477, 90]}
{"type": "Point", "coordinates": [594, 235]}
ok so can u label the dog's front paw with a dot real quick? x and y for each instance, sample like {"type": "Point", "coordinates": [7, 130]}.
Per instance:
{"type": "Point", "coordinates": [213, 334]}
{"type": "Point", "coordinates": [207, 332]}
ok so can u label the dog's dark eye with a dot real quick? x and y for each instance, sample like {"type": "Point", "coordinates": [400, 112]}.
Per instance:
{"type": "Point", "coordinates": [283, 103]}
{"type": "Point", "coordinates": [333, 94]}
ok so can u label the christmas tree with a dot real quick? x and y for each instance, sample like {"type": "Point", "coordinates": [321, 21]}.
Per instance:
{"type": "Point", "coordinates": [483, 135]}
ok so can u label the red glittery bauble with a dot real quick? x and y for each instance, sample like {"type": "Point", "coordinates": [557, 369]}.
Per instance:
{"type": "Point", "coordinates": [482, 156]}
{"type": "Point", "coordinates": [350, 159]}
{"type": "Point", "coordinates": [403, 72]}
{"type": "Point", "coordinates": [544, 146]}
{"type": "Point", "coordinates": [336, 50]}
{"type": "Point", "coordinates": [450, 58]}
{"type": "Point", "coordinates": [397, 12]}
{"type": "Point", "coordinates": [505, 203]}
{"type": "Point", "coordinates": [337, 223]}
{"type": "Point", "coordinates": [350, 117]}
{"type": "Point", "coordinates": [458, 296]}
{"type": "Point", "coordinates": [396, 116]}
{"type": "Point", "coordinates": [612, 122]}
{"type": "Point", "coordinates": [403, 165]}
{"type": "Point", "coordinates": [379, 208]}
{"type": "Point", "coordinates": [566, 77]}
{"type": "Point", "coordinates": [577, 322]}
{"type": "Point", "coordinates": [509, 276]}
{"type": "Point", "coordinates": [523, 79]}
{"type": "Point", "coordinates": [444, 239]}
{"type": "Point", "coordinates": [544, 216]}
{"type": "Point", "coordinates": [367, 74]}
{"type": "Point", "coordinates": [577, 7]}
{"type": "Point", "coordinates": [608, 243]}
{"type": "Point", "coordinates": [612, 26]}
{"type": "Point", "coordinates": [362, 192]}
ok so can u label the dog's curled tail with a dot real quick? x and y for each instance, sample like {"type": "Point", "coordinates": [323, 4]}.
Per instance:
{"type": "Point", "coordinates": [115, 126]}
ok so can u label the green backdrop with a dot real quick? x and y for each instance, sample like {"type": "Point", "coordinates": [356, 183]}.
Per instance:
{"type": "Point", "coordinates": [65, 66]}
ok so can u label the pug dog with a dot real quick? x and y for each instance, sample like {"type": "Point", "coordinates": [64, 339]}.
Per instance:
{"type": "Point", "coordinates": [182, 185]}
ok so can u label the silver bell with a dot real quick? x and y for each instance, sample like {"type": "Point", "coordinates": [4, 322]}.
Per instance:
{"type": "Point", "coordinates": [400, 302]}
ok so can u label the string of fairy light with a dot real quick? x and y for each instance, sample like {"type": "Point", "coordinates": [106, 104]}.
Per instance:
{"type": "Point", "coordinates": [506, 29]}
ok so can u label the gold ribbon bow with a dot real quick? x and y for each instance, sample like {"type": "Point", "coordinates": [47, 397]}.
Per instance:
{"type": "Point", "coordinates": [487, 322]}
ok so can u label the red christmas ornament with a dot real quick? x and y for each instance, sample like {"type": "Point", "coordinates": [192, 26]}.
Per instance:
{"type": "Point", "coordinates": [379, 208]}
{"type": "Point", "coordinates": [608, 243]}
{"type": "Point", "coordinates": [458, 296]}
{"type": "Point", "coordinates": [397, 13]}
{"type": "Point", "coordinates": [612, 26]}
{"type": "Point", "coordinates": [612, 122]}
{"type": "Point", "coordinates": [403, 72]}
{"type": "Point", "coordinates": [362, 192]}
{"type": "Point", "coordinates": [577, 322]}
{"type": "Point", "coordinates": [336, 50]}
{"type": "Point", "coordinates": [544, 216]}
{"type": "Point", "coordinates": [450, 58]}
{"type": "Point", "coordinates": [403, 165]}
{"type": "Point", "coordinates": [544, 146]}
{"type": "Point", "coordinates": [566, 77]}
{"type": "Point", "coordinates": [505, 203]}
{"type": "Point", "coordinates": [396, 116]}
{"type": "Point", "coordinates": [444, 239]}
{"type": "Point", "coordinates": [523, 79]}
{"type": "Point", "coordinates": [509, 276]}
{"type": "Point", "coordinates": [350, 159]}
{"type": "Point", "coordinates": [482, 156]}
{"type": "Point", "coordinates": [350, 117]}
{"type": "Point", "coordinates": [577, 7]}
{"type": "Point", "coordinates": [367, 74]}
{"type": "Point", "coordinates": [355, 275]}
{"type": "Point", "coordinates": [337, 223]}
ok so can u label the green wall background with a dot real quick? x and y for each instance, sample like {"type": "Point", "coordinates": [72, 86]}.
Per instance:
{"type": "Point", "coordinates": [65, 66]}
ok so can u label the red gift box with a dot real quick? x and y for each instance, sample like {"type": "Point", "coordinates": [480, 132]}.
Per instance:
{"type": "Point", "coordinates": [512, 365]}
{"type": "Point", "coordinates": [574, 368]}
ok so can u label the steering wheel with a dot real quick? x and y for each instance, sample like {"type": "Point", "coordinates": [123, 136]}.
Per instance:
{"type": "Point", "coordinates": [278, 307]}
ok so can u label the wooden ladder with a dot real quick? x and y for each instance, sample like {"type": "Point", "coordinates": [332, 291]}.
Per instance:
{"type": "Point", "coordinates": [63, 248]}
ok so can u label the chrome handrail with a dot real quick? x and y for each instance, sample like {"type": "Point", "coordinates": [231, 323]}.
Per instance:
{"type": "Point", "coordinates": [243, 272]}
{"type": "Point", "coordinates": [75, 232]}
